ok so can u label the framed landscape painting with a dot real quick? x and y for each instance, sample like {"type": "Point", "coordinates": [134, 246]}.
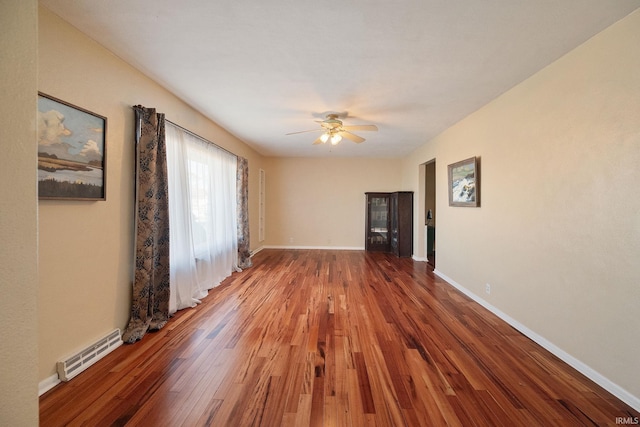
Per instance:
{"type": "Point", "coordinates": [464, 183]}
{"type": "Point", "coordinates": [71, 151]}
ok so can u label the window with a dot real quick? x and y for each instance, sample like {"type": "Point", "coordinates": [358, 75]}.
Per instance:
{"type": "Point", "coordinates": [202, 216]}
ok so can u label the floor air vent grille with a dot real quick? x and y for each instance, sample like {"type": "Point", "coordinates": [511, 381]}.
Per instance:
{"type": "Point", "coordinates": [77, 363]}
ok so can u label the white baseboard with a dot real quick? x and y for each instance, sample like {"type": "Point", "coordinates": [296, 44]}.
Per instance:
{"type": "Point", "coordinates": [335, 248]}
{"type": "Point", "coordinates": [47, 384]}
{"type": "Point", "coordinates": [255, 251]}
{"type": "Point", "coordinates": [584, 369]}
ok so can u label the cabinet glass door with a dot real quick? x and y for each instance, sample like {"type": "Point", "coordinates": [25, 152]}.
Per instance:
{"type": "Point", "coordinates": [378, 233]}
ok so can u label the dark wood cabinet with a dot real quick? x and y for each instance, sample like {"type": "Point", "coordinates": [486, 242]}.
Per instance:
{"type": "Point", "coordinates": [401, 211]}
{"type": "Point", "coordinates": [389, 222]}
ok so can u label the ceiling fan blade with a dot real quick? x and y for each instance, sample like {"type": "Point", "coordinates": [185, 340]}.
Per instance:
{"type": "Point", "coordinates": [361, 127]}
{"type": "Point", "coordinates": [351, 137]}
{"type": "Point", "coordinates": [318, 141]}
{"type": "Point", "coordinates": [305, 131]}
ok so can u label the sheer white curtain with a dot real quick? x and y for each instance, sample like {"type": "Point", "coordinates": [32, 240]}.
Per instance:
{"type": "Point", "coordinates": [202, 216]}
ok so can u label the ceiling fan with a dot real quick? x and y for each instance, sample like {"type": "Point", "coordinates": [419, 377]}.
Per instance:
{"type": "Point", "coordinates": [333, 130]}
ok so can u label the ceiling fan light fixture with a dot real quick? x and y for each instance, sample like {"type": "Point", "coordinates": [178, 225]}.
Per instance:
{"type": "Point", "coordinates": [333, 131]}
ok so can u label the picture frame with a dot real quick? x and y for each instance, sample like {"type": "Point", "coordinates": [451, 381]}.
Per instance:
{"type": "Point", "coordinates": [71, 151]}
{"type": "Point", "coordinates": [464, 183]}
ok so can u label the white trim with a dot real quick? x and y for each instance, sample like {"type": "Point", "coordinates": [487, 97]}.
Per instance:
{"type": "Point", "coordinates": [47, 384]}
{"type": "Point", "coordinates": [255, 251]}
{"type": "Point", "coordinates": [417, 258]}
{"type": "Point", "coordinates": [335, 248]}
{"type": "Point", "coordinates": [586, 370]}
{"type": "Point", "coordinates": [261, 204]}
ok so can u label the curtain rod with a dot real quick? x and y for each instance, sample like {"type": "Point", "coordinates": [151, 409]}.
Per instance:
{"type": "Point", "coordinates": [199, 137]}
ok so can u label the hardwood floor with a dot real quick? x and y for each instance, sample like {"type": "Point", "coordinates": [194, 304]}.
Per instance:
{"type": "Point", "coordinates": [324, 338]}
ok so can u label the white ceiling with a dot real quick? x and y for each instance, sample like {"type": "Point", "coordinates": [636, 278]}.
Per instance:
{"type": "Point", "coordinates": [262, 69]}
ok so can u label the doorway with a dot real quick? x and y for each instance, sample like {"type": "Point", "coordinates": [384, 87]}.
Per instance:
{"type": "Point", "coordinates": [430, 211]}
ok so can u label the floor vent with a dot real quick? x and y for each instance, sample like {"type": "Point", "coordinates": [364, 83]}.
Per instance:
{"type": "Point", "coordinates": [77, 363]}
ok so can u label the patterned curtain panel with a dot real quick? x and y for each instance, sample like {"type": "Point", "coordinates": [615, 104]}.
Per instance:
{"type": "Point", "coordinates": [242, 188]}
{"type": "Point", "coordinates": [150, 301]}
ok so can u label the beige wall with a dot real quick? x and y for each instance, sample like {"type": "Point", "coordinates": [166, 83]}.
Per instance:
{"type": "Point", "coordinates": [558, 233]}
{"type": "Point", "coordinates": [86, 248]}
{"type": "Point", "coordinates": [18, 214]}
{"type": "Point", "coordinates": [320, 202]}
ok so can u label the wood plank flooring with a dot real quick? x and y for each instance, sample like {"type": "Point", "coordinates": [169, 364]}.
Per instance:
{"type": "Point", "coordinates": [332, 338]}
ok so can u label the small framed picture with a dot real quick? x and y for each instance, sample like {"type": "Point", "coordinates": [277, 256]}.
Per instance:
{"type": "Point", "coordinates": [464, 183]}
{"type": "Point", "coordinates": [71, 151]}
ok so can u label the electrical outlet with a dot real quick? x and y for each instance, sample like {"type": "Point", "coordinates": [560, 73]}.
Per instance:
{"type": "Point", "coordinates": [290, 239]}
{"type": "Point", "coordinates": [487, 289]}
